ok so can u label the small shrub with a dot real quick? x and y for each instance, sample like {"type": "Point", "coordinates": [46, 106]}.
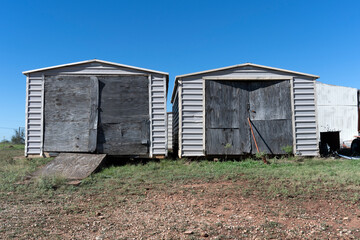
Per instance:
{"type": "Point", "coordinates": [288, 149]}
{"type": "Point", "coordinates": [18, 137]}
{"type": "Point", "coordinates": [260, 155]}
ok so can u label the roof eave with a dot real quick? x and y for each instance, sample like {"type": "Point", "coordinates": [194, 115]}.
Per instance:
{"type": "Point", "coordinates": [94, 60]}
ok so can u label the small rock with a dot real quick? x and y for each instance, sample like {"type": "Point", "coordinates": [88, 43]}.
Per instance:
{"type": "Point", "coordinates": [204, 234]}
{"type": "Point", "coordinates": [188, 232]}
{"type": "Point", "coordinates": [346, 218]}
{"type": "Point", "coordinates": [99, 238]}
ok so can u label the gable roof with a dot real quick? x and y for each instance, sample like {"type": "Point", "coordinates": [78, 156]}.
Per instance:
{"type": "Point", "coordinates": [94, 61]}
{"type": "Point", "coordinates": [236, 66]}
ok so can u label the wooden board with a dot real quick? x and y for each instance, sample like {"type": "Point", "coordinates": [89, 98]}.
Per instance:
{"type": "Point", "coordinates": [270, 114]}
{"type": "Point", "coordinates": [124, 122]}
{"type": "Point", "coordinates": [227, 131]}
{"type": "Point", "coordinates": [70, 113]}
{"type": "Point", "coordinates": [228, 105]}
{"type": "Point", "coordinates": [72, 166]}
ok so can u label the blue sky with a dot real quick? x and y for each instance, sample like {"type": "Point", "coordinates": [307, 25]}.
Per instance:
{"type": "Point", "coordinates": [179, 37]}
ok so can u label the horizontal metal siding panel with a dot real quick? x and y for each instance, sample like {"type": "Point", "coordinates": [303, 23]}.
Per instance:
{"type": "Point", "coordinates": [193, 153]}
{"type": "Point", "coordinates": [175, 126]}
{"type": "Point", "coordinates": [34, 81]}
{"type": "Point", "coordinates": [306, 140]}
{"type": "Point", "coordinates": [158, 115]}
{"type": "Point", "coordinates": [34, 115]}
{"type": "Point", "coordinates": [170, 130]}
{"type": "Point", "coordinates": [33, 151]}
{"type": "Point", "coordinates": [35, 93]}
{"type": "Point", "coordinates": [192, 117]}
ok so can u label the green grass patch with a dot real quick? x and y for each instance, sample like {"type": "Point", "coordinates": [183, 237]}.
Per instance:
{"type": "Point", "coordinates": [288, 177]}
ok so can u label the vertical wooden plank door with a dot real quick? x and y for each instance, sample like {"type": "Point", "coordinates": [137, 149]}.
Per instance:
{"type": "Point", "coordinates": [124, 122]}
{"type": "Point", "coordinates": [70, 113]}
{"type": "Point", "coordinates": [271, 115]}
{"type": "Point", "coordinates": [226, 131]}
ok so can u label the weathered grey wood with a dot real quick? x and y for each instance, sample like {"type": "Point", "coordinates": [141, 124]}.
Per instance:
{"type": "Point", "coordinates": [70, 113]}
{"type": "Point", "coordinates": [227, 141]}
{"type": "Point", "coordinates": [272, 135]}
{"type": "Point", "coordinates": [271, 115]}
{"type": "Point", "coordinates": [227, 130]}
{"type": "Point", "coordinates": [123, 96]}
{"type": "Point", "coordinates": [124, 127]}
{"type": "Point", "coordinates": [129, 137]}
{"type": "Point", "coordinates": [72, 165]}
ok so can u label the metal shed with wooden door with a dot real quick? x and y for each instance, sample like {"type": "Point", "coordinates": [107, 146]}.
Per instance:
{"type": "Point", "coordinates": [213, 111]}
{"type": "Point", "coordinates": [96, 106]}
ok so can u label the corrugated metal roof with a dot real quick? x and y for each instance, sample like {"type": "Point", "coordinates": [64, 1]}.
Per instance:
{"type": "Point", "coordinates": [92, 61]}
{"type": "Point", "coordinates": [235, 66]}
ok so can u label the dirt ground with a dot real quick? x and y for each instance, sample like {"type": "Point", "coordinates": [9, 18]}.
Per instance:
{"type": "Point", "coordinates": [218, 210]}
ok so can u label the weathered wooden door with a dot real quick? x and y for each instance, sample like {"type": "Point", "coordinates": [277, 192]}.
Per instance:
{"type": "Point", "coordinates": [70, 113]}
{"type": "Point", "coordinates": [227, 131]}
{"type": "Point", "coordinates": [229, 104]}
{"type": "Point", "coordinates": [271, 115]}
{"type": "Point", "coordinates": [124, 125]}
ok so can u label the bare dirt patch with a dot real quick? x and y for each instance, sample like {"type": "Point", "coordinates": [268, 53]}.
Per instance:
{"type": "Point", "coordinates": [201, 211]}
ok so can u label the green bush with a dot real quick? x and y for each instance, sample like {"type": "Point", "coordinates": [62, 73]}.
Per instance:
{"type": "Point", "coordinates": [288, 149]}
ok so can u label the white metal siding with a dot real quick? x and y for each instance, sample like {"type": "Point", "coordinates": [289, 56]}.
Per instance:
{"type": "Point", "coordinates": [170, 130]}
{"type": "Point", "coordinates": [175, 131]}
{"type": "Point", "coordinates": [158, 116]}
{"type": "Point", "coordinates": [192, 109]}
{"type": "Point", "coordinates": [34, 108]}
{"type": "Point", "coordinates": [192, 118]}
{"type": "Point", "coordinates": [337, 110]}
{"type": "Point", "coordinates": [34, 103]}
{"type": "Point", "coordinates": [305, 117]}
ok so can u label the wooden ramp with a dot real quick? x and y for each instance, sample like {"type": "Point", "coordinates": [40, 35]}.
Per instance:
{"type": "Point", "coordinates": [72, 166]}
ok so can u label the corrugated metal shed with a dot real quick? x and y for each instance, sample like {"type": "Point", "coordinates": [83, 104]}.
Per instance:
{"type": "Point", "coordinates": [188, 100]}
{"type": "Point", "coordinates": [35, 103]}
{"type": "Point", "coordinates": [337, 110]}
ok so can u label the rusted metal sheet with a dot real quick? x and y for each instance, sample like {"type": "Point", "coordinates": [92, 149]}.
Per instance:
{"type": "Point", "coordinates": [72, 166]}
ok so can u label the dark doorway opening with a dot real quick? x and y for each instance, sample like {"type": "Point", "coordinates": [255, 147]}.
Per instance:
{"type": "Point", "coordinates": [329, 142]}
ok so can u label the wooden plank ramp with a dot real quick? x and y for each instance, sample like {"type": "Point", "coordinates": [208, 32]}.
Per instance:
{"type": "Point", "coordinates": [72, 166]}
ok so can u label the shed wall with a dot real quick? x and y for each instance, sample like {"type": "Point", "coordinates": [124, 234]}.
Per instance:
{"type": "Point", "coordinates": [175, 131]}
{"type": "Point", "coordinates": [34, 103]}
{"type": "Point", "coordinates": [191, 90]}
{"type": "Point", "coordinates": [170, 130]}
{"type": "Point", "coordinates": [337, 110]}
